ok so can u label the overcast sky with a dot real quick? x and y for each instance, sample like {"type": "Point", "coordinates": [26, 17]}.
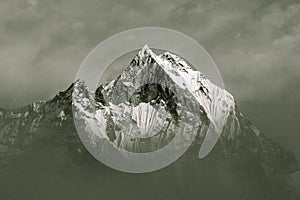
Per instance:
{"type": "Point", "coordinates": [255, 43]}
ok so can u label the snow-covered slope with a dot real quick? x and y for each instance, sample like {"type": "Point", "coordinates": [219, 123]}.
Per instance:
{"type": "Point", "coordinates": [153, 113]}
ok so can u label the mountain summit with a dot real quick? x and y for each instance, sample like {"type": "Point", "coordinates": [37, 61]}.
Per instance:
{"type": "Point", "coordinates": [156, 94]}
{"type": "Point", "coordinates": [151, 102]}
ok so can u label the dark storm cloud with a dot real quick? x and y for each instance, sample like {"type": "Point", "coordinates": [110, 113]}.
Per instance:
{"type": "Point", "coordinates": [254, 43]}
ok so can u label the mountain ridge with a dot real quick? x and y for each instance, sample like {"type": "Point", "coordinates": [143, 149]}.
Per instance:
{"type": "Point", "coordinates": [240, 144]}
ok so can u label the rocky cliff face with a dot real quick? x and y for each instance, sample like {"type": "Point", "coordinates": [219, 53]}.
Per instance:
{"type": "Point", "coordinates": [158, 94]}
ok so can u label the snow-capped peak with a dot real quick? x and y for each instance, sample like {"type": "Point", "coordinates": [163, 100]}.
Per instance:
{"type": "Point", "coordinates": [216, 102]}
{"type": "Point", "coordinates": [124, 116]}
{"type": "Point", "coordinates": [145, 51]}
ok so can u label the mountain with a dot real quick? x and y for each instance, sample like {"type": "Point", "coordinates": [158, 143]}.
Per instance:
{"type": "Point", "coordinates": [155, 99]}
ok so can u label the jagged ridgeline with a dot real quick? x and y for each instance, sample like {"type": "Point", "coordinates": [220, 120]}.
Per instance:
{"type": "Point", "coordinates": [42, 157]}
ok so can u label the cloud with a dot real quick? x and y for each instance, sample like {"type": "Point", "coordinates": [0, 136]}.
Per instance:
{"type": "Point", "coordinates": [254, 43]}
